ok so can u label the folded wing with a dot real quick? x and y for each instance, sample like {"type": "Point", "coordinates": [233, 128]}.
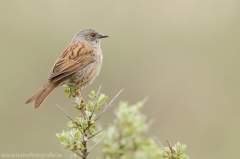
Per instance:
{"type": "Point", "coordinates": [74, 58]}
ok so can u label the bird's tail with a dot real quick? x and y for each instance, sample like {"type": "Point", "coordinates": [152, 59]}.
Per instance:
{"type": "Point", "coordinates": [41, 94]}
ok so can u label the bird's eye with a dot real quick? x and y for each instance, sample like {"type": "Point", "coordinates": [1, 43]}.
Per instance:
{"type": "Point", "coordinates": [93, 34]}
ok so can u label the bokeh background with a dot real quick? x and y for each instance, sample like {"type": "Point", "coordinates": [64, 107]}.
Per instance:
{"type": "Point", "coordinates": [183, 54]}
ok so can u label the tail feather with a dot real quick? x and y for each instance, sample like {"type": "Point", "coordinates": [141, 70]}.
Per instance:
{"type": "Point", "coordinates": [34, 97]}
{"type": "Point", "coordinates": [41, 94]}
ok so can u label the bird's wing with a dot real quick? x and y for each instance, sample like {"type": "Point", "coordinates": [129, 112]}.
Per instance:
{"type": "Point", "coordinates": [74, 58]}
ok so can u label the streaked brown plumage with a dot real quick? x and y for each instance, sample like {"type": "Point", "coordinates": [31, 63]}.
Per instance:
{"type": "Point", "coordinates": [79, 64]}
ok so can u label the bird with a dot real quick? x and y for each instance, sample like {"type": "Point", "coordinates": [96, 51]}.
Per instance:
{"type": "Point", "coordinates": [79, 64]}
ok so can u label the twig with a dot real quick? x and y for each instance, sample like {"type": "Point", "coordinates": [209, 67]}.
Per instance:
{"type": "Point", "coordinates": [95, 134]}
{"type": "Point", "coordinates": [66, 113]}
{"type": "Point", "coordinates": [99, 89]}
{"type": "Point", "coordinates": [107, 106]}
{"type": "Point", "coordinates": [103, 154]}
{"type": "Point", "coordinates": [159, 142]}
{"type": "Point", "coordinates": [149, 124]}
{"type": "Point", "coordinates": [115, 97]}
{"type": "Point", "coordinates": [71, 119]}
{"type": "Point", "coordinates": [80, 131]}
{"type": "Point", "coordinates": [170, 147]}
{"type": "Point", "coordinates": [90, 117]}
{"type": "Point", "coordinates": [95, 144]}
{"type": "Point", "coordinates": [77, 153]}
{"type": "Point", "coordinates": [72, 101]}
{"type": "Point", "coordinates": [71, 135]}
{"type": "Point", "coordinates": [145, 99]}
{"type": "Point", "coordinates": [69, 152]}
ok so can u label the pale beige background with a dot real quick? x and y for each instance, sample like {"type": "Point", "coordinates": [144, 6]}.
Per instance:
{"type": "Point", "coordinates": [183, 54]}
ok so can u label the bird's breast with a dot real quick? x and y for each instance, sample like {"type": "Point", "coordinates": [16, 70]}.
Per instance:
{"type": "Point", "coordinates": [86, 75]}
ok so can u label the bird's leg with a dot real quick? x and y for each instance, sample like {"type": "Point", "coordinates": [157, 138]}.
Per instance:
{"type": "Point", "coordinates": [82, 101]}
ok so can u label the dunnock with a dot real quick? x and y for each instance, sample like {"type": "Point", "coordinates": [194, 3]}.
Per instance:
{"type": "Point", "coordinates": [79, 65]}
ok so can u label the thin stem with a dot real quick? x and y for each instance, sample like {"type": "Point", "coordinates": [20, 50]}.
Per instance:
{"type": "Point", "coordinates": [78, 154]}
{"type": "Point", "coordinates": [71, 119]}
{"type": "Point", "coordinates": [99, 89]}
{"type": "Point", "coordinates": [71, 135]}
{"type": "Point", "coordinates": [90, 117]}
{"type": "Point", "coordinates": [145, 99]}
{"type": "Point", "coordinates": [170, 147]}
{"type": "Point", "coordinates": [159, 142]}
{"type": "Point", "coordinates": [107, 106]}
{"type": "Point", "coordinates": [115, 97]}
{"type": "Point", "coordinates": [95, 134]}
{"type": "Point", "coordinates": [66, 113]}
{"type": "Point", "coordinates": [149, 124]}
{"type": "Point", "coordinates": [95, 144]}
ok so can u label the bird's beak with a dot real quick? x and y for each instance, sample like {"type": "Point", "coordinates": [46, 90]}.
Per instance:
{"type": "Point", "coordinates": [103, 36]}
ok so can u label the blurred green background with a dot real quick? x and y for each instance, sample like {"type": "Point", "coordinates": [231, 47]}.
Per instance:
{"type": "Point", "coordinates": [183, 54]}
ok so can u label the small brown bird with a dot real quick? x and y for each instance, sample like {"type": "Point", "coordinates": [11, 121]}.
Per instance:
{"type": "Point", "coordinates": [79, 65]}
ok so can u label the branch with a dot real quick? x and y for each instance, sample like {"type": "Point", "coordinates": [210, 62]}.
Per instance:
{"type": "Point", "coordinates": [115, 97]}
{"type": "Point", "coordinates": [149, 124]}
{"type": "Point", "coordinates": [99, 89]}
{"type": "Point", "coordinates": [145, 99]}
{"type": "Point", "coordinates": [71, 101]}
{"type": "Point", "coordinates": [170, 146]}
{"type": "Point", "coordinates": [90, 117]}
{"type": "Point", "coordinates": [80, 131]}
{"type": "Point", "coordinates": [66, 114]}
{"type": "Point", "coordinates": [77, 153]}
{"type": "Point", "coordinates": [159, 142]}
{"type": "Point", "coordinates": [95, 134]}
{"type": "Point", "coordinates": [71, 119]}
{"type": "Point", "coordinates": [95, 144]}
{"type": "Point", "coordinates": [107, 106]}
{"type": "Point", "coordinates": [71, 135]}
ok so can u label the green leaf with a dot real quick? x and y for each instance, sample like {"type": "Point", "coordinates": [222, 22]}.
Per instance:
{"type": "Point", "coordinates": [77, 101]}
{"type": "Point", "coordinates": [92, 94]}
{"type": "Point", "coordinates": [78, 120]}
{"type": "Point", "coordinates": [93, 116]}
{"type": "Point", "coordinates": [179, 147]}
{"type": "Point", "coordinates": [71, 124]}
{"type": "Point", "coordinates": [88, 113]}
{"type": "Point", "coordinates": [67, 146]}
{"type": "Point", "coordinates": [184, 147]}
{"type": "Point", "coordinates": [77, 135]}
{"type": "Point", "coordinates": [67, 91]}
{"type": "Point", "coordinates": [90, 105]}
{"type": "Point", "coordinates": [58, 135]}
{"type": "Point", "coordinates": [102, 99]}
{"type": "Point", "coordinates": [175, 155]}
{"type": "Point", "coordinates": [64, 139]}
{"type": "Point", "coordinates": [164, 154]}
{"type": "Point", "coordinates": [71, 141]}
{"type": "Point", "coordinates": [93, 128]}
{"type": "Point", "coordinates": [69, 95]}
{"type": "Point", "coordinates": [81, 145]}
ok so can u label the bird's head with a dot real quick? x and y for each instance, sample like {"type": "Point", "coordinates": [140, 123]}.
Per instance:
{"type": "Point", "coordinates": [90, 36]}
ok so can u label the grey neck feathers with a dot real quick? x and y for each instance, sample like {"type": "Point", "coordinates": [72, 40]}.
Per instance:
{"type": "Point", "coordinates": [95, 43]}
